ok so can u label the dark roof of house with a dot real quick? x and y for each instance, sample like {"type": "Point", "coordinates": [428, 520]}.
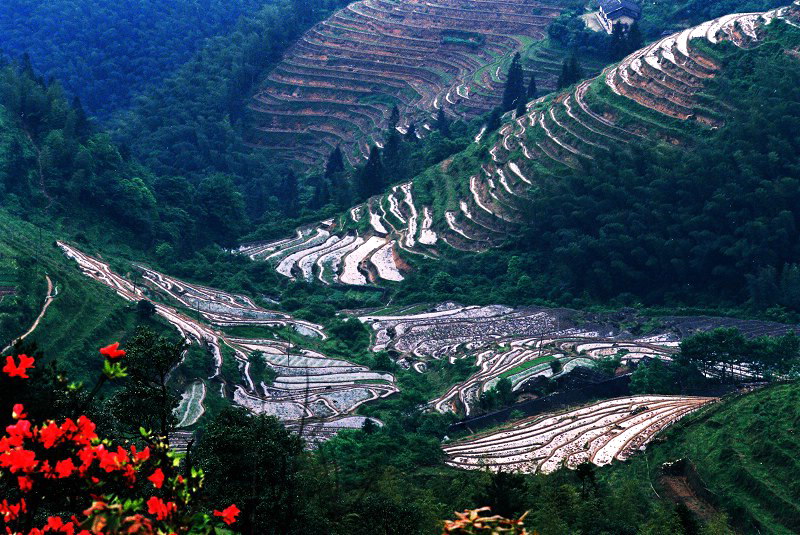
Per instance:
{"type": "Point", "coordinates": [610, 7]}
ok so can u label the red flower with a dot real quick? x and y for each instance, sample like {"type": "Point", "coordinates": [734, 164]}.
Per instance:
{"type": "Point", "coordinates": [50, 435]}
{"type": "Point", "coordinates": [156, 506]}
{"type": "Point", "coordinates": [229, 514]}
{"type": "Point", "coordinates": [112, 352]}
{"type": "Point", "coordinates": [11, 512]}
{"type": "Point", "coordinates": [19, 460]}
{"type": "Point", "coordinates": [157, 478]}
{"type": "Point", "coordinates": [65, 468]}
{"type": "Point", "coordinates": [12, 370]}
{"type": "Point", "coordinates": [54, 523]}
{"type": "Point", "coordinates": [18, 432]}
{"type": "Point", "coordinates": [18, 412]}
{"type": "Point", "coordinates": [25, 483]}
{"type": "Point", "coordinates": [85, 431]}
{"type": "Point", "coordinates": [140, 456]}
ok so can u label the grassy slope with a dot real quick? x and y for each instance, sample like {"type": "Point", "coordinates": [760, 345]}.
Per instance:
{"type": "Point", "coordinates": [84, 315]}
{"type": "Point", "coordinates": [746, 452]}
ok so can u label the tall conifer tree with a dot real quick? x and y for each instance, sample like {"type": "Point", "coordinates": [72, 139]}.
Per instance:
{"type": "Point", "coordinates": [515, 84]}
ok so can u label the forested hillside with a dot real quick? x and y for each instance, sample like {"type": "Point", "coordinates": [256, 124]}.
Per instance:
{"type": "Point", "coordinates": [736, 457]}
{"type": "Point", "coordinates": [615, 189]}
{"type": "Point", "coordinates": [107, 52]}
{"type": "Point", "coordinates": [59, 170]}
{"type": "Point", "coordinates": [193, 124]}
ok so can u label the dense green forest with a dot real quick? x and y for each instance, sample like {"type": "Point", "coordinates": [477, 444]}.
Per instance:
{"type": "Point", "coordinates": [193, 125]}
{"type": "Point", "coordinates": [693, 220]}
{"type": "Point", "coordinates": [57, 167]}
{"type": "Point", "coordinates": [108, 52]}
{"type": "Point", "coordinates": [654, 223]}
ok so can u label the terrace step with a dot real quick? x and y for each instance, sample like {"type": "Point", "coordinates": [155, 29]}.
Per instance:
{"type": "Point", "coordinates": [399, 52]}
{"type": "Point", "coordinates": [643, 97]}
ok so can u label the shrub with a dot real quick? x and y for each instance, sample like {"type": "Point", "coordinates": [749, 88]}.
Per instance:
{"type": "Point", "coordinates": [49, 466]}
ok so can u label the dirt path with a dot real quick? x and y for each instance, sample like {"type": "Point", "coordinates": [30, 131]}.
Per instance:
{"type": "Point", "coordinates": [49, 299]}
{"type": "Point", "coordinates": [679, 490]}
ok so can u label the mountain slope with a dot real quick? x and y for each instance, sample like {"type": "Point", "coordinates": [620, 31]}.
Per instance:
{"type": "Point", "coordinates": [744, 456]}
{"type": "Point", "coordinates": [81, 316]}
{"type": "Point", "coordinates": [564, 181]}
{"type": "Point", "coordinates": [338, 83]}
{"type": "Point", "coordinates": [108, 52]}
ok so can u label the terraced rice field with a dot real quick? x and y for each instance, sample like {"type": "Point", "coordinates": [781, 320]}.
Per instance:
{"type": "Point", "coordinates": [524, 359]}
{"type": "Point", "coordinates": [364, 254]}
{"type": "Point", "coordinates": [338, 84]}
{"type": "Point", "coordinates": [449, 330]}
{"type": "Point", "coordinates": [503, 342]}
{"type": "Point", "coordinates": [309, 386]}
{"type": "Point", "coordinates": [656, 92]}
{"type": "Point", "coordinates": [529, 343]}
{"type": "Point", "coordinates": [190, 408]}
{"type": "Point", "coordinates": [600, 433]}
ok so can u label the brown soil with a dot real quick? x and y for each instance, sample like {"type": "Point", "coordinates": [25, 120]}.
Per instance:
{"type": "Point", "coordinates": [679, 490]}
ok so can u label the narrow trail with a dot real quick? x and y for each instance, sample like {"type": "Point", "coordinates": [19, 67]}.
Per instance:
{"type": "Point", "coordinates": [49, 299]}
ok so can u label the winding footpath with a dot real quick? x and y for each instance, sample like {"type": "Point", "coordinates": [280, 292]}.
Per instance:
{"type": "Point", "coordinates": [51, 294]}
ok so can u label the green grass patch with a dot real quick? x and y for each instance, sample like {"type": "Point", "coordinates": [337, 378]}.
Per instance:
{"type": "Point", "coordinates": [526, 365]}
{"type": "Point", "coordinates": [746, 452]}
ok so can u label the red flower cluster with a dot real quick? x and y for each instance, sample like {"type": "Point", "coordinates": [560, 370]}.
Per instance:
{"type": "Point", "coordinates": [11, 512]}
{"type": "Point", "coordinates": [77, 442]}
{"type": "Point", "coordinates": [56, 525]}
{"type": "Point", "coordinates": [12, 369]}
{"type": "Point", "coordinates": [160, 508]}
{"type": "Point", "coordinates": [34, 454]}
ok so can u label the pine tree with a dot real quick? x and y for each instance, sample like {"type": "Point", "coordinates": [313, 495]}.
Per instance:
{"type": "Point", "coordinates": [394, 117]}
{"type": "Point", "coordinates": [571, 72]}
{"type": "Point", "coordinates": [619, 44]}
{"type": "Point", "coordinates": [341, 190]}
{"type": "Point", "coordinates": [335, 162]}
{"type": "Point", "coordinates": [532, 89]}
{"type": "Point", "coordinates": [411, 134]}
{"type": "Point", "coordinates": [291, 194]}
{"type": "Point", "coordinates": [515, 84]}
{"type": "Point", "coordinates": [392, 155]}
{"type": "Point", "coordinates": [371, 176]}
{"type": "Point", "coordinates": [322, 193]}
{"type": "Point", "coordinates": [522, 107]}
{"type": "Point", "coordinates": [494, 120]}
{"type": "Point", "coordinates": [635, 40]}
{"type": "Point", "coordinates": [564, 76]}
{"type": "Point", "coordinates": [442, 124]}
{"type": "Point", "coordinates": [576, 72]}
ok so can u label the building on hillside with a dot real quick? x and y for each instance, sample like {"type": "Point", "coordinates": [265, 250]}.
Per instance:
{"type": "Point", "coordinates": [618, 12]}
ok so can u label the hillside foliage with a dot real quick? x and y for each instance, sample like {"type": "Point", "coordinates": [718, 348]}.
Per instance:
{"type": "Point", "coordinates": [655, 222]}
{"type": "Point", "coordinates": [756, 430]}
{"type": "Point", "coordinates": [107, 52]}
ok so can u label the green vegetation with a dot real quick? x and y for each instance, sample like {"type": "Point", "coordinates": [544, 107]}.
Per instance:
{"type": "Point", "coordinates": [107, 52]}
{"type": "Point", "coordinates": [659, 223]}
{"type": "Point", "coordinates": [528, 364]}
{"type": "Point", "coordinates": [83, 316]}
{"type": "Point", "coordinates": [461, 37]}
{"type": "Point", "coordinates": [745, 452]}
{"type": "Point", "coordinates": [194, 125]}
